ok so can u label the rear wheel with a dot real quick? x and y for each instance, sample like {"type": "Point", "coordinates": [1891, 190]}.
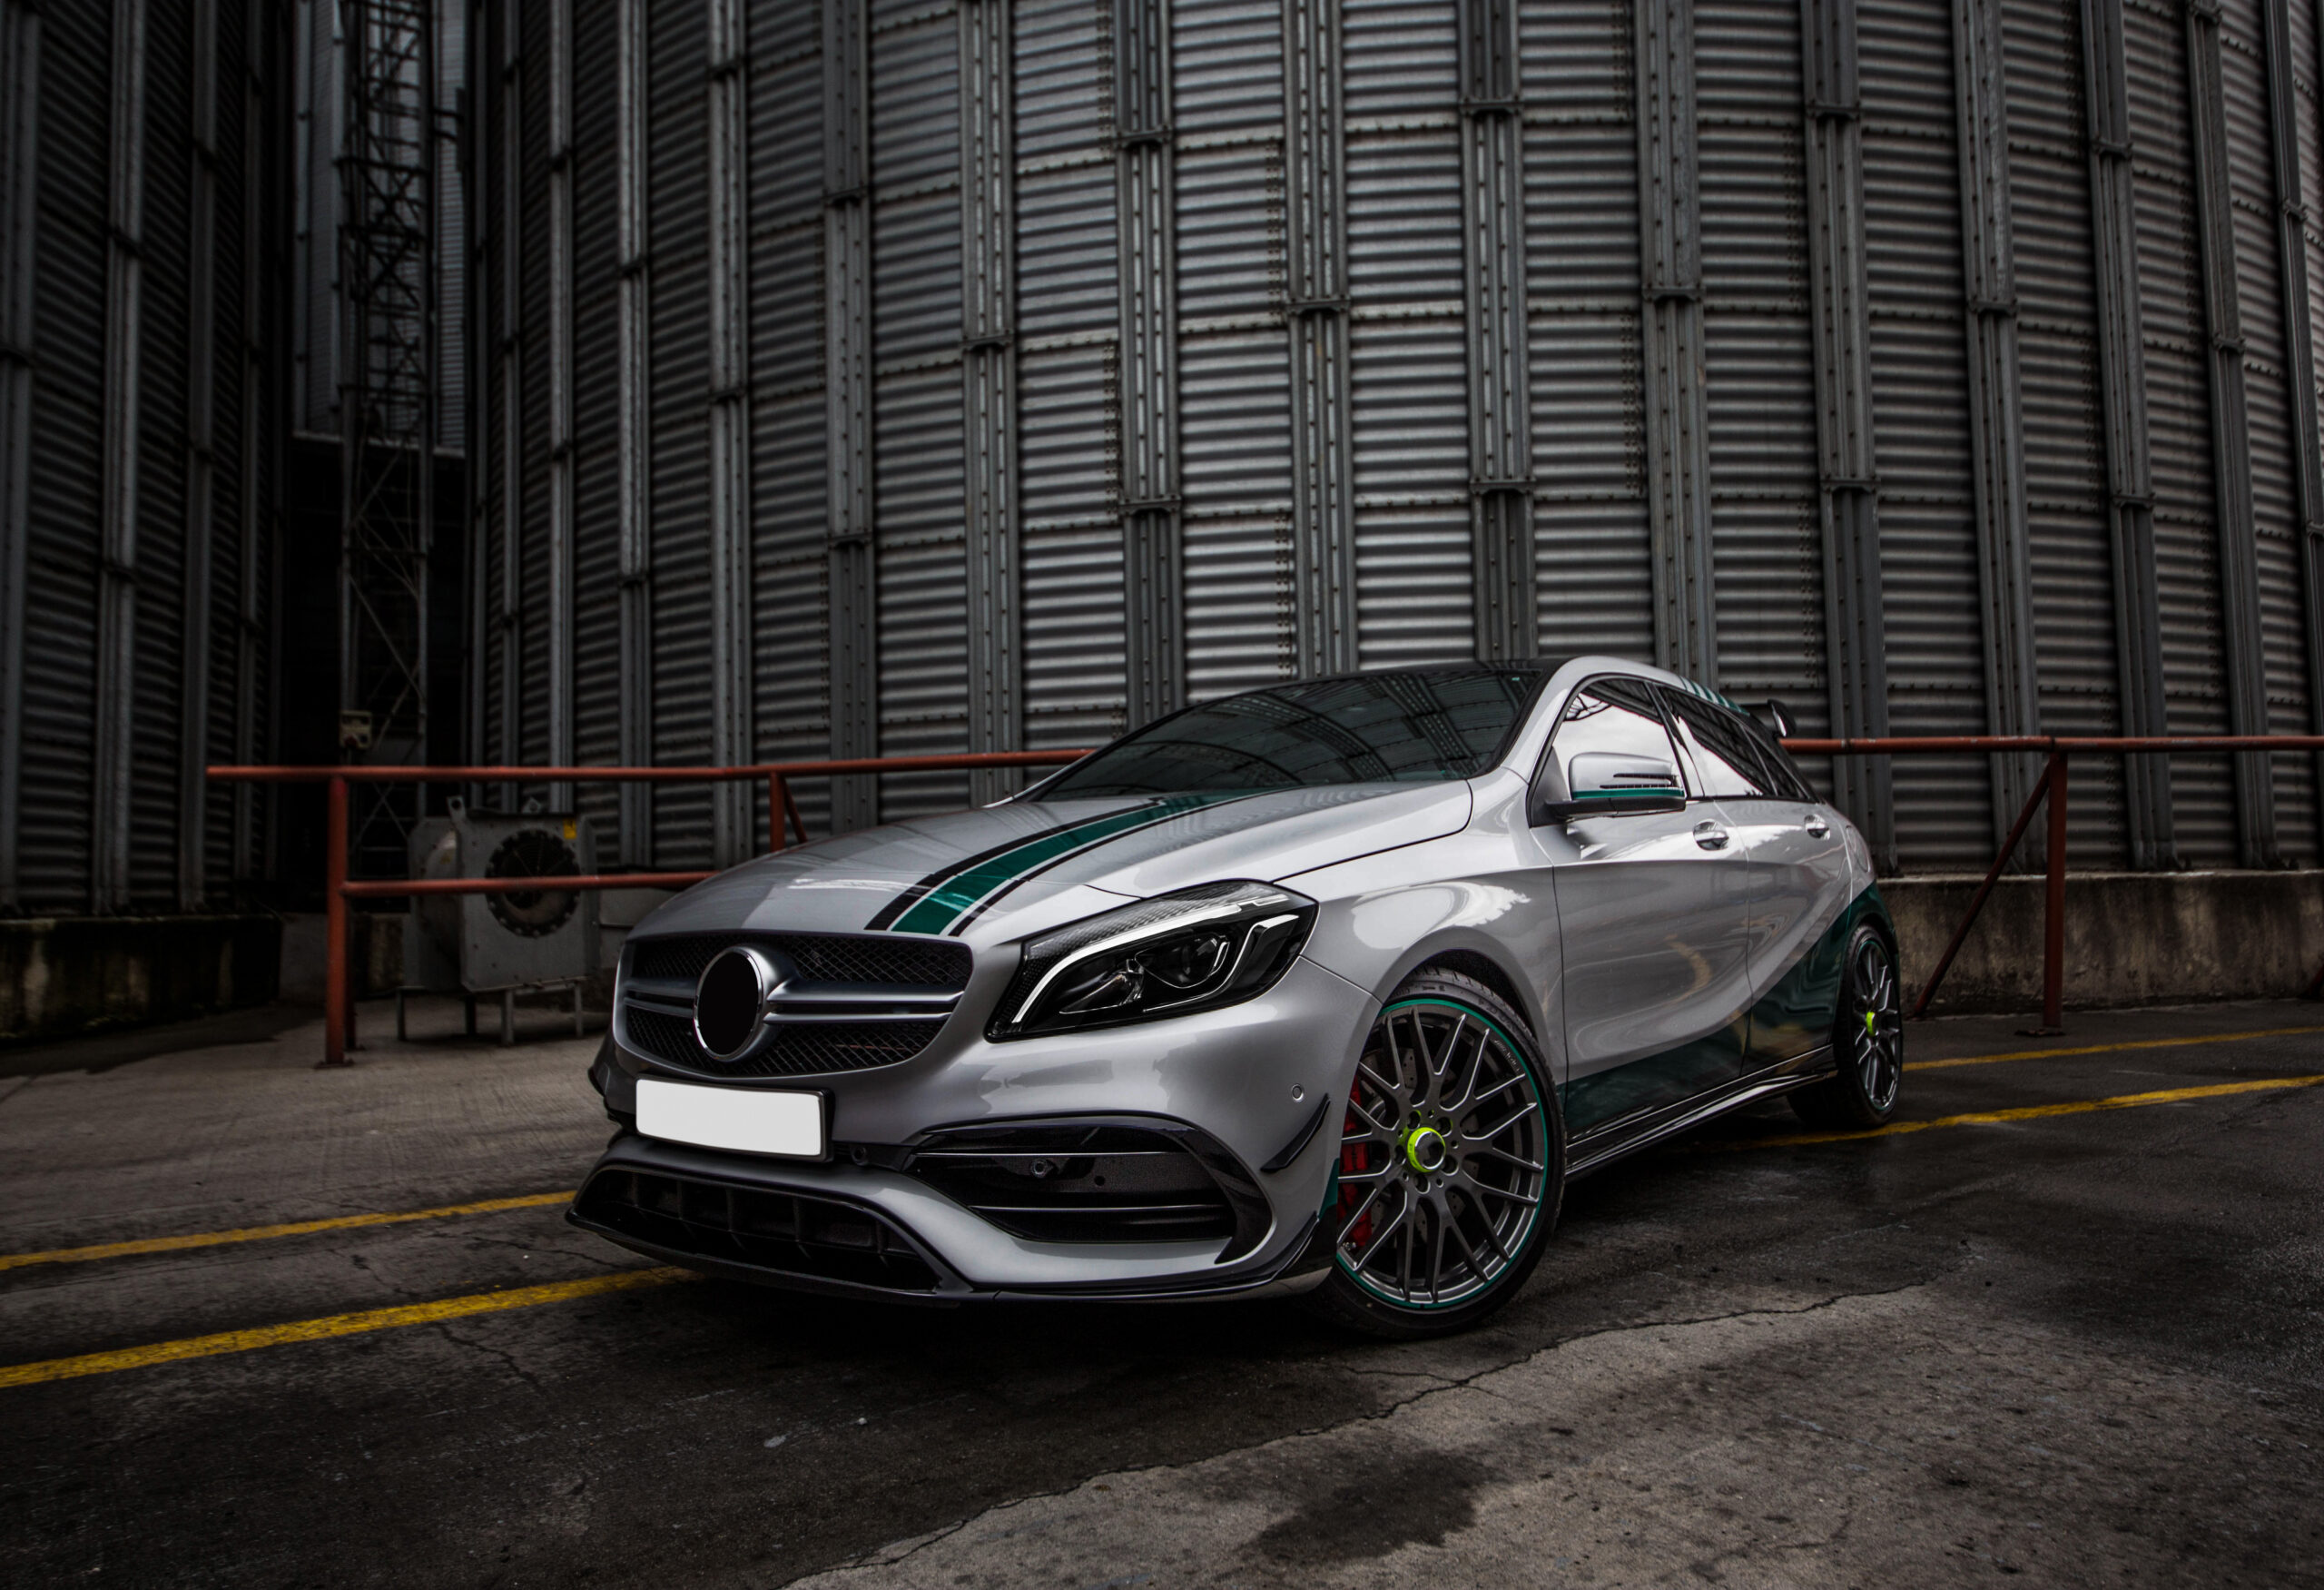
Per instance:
{"type": "Point", "coordinates": [1452, 1164]}
{"type": "Point", "coordinates": [1867, 1039]}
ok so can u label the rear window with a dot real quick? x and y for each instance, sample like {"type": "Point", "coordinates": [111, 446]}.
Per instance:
{"type": "Point", "coordinates": [1415, 727]}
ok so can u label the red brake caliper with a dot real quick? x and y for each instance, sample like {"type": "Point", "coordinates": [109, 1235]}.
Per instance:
{"type": "Point", "coordinates": [1355, 1160]}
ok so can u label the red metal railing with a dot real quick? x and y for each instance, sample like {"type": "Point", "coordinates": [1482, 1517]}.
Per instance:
{"type": "Point", "coordinates": [783, 820]}
{"type": "Point", "coordinates": [2050, 787]}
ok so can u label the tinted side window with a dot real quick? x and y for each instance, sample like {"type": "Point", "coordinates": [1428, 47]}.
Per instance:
{"type": "Point", "coordinates": [1616, 715]}
{"type": "Point", "coordinates": [1725, 753]}
{"type": "Point", "coordinates": [1784, 775]}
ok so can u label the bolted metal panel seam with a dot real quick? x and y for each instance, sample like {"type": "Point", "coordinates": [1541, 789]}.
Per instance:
{"type": "Point", "coordinates": [2130, 472]}
{"type": "Point", "coordinates": [201, 460]}
{"type": "Point", "coordinates": [989, 383]}
{"type": "Point", "coordinates": [562, 459]}
{"type": "Point", "coordinates": [2238, 572]}
{"type": "Point", "coordinates": [507, 635]}
{"type": "Point", "coordinates": [635, 455]}
{"type": "Point", "coordinates": [1501, 444]}
{"type": "Point", "coordinates": [848, 402]}
{"type": "Point", "coordinates": [1678, 469]}
{"type": "Point", "coordinates": [729, 309]}
{"type": "Point", "coordinates": [1996, 400]}
{"type": "Point", "coordinates": [1148, 501]}
{"type": "Point", "coordinates": [19, 260]}
{"type": "Point", "coordinates": [117, 524]}
{"type": "Point", "coordinates": [261, 414]}
{"type": "Point", "coordinates": [1839, 290]}
{"type": "Point", "coordinates": [2300, 348]}
{"type": "Point", "coordinates": [1316, 303]}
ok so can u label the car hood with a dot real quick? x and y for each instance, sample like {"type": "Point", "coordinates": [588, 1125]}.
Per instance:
{"type": "Point", "coordinates": [1000, 872]}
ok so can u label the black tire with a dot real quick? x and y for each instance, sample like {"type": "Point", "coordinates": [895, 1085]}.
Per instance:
{"type": "Point", "coordinates": [1456, 1164]}
{"type": "Point", "coordinates": [1867, 1043]}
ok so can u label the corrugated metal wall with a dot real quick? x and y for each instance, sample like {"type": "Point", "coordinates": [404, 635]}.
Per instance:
{"type": "Point", "coordinates": [136, 522]}
{"type": "Point", "coordinates": [1310, 468]}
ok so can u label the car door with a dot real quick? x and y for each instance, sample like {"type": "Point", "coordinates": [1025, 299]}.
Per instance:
{"type": "Point", "coordinates": [1651, 909]}
{"type": "Point", "coordinates": [1796, 850]}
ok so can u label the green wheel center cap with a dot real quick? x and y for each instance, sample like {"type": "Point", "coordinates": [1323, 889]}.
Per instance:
{"type": "Point", "coordinates": [1424, 1149]}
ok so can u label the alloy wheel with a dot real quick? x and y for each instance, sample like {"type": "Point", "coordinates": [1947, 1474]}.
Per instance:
{"type": "Point", "coordinates": [1878, 1030]}
{"type": "Point", "coordinates": [1443, 1158]}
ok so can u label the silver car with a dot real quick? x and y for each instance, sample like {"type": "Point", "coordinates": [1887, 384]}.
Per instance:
{"type": "Point", "coordinates": [1328, 988]}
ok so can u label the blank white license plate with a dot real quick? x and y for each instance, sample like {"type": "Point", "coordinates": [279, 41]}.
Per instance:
{"type": "Point", "coordinates": [744, 1120]}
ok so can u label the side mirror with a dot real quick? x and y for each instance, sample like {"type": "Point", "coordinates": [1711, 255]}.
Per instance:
{"type": "Point", "coordinates": [1779, 716]}
{"type": "Point", "coordinates": [1607, 783]}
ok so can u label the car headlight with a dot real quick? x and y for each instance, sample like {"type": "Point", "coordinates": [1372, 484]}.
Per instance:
{"type": "Point", "coordinates": [1201, 948]}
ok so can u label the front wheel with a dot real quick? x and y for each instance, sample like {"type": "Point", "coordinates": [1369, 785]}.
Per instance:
{"type": "Point", "coordinates": [1868, 1040]}
{"type": "Point", "coordinates": [1452, 1164]}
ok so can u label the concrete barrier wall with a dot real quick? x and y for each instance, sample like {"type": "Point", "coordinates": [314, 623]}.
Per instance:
{"type": "Point", "coordinates": [2131, 938]}
{"type": "Point", "coordinates": [62, 975]}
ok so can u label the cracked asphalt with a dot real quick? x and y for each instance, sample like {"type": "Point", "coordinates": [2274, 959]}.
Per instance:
{"type": "Point", "coordinates": [2077, 1349]}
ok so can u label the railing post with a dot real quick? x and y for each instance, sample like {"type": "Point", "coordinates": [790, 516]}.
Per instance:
{"type": "Point", "coordinates": [790, 806]}
{"type": "Point", "coordinates": [338, 1004]}
{"type": "Point", "coordinates": [2053, 906]}
{"type": "Point", "coordinates": [774, 802]}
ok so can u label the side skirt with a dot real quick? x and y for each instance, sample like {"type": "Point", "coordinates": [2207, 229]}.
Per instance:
{"type": "Point", "coordinates": [1621, 1139]}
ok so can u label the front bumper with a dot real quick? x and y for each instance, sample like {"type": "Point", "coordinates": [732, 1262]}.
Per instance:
{"type": "Point", "coordinates": [1250, 1086]}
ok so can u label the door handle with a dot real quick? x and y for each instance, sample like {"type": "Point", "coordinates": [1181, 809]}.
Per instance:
{"type": "Point", "coordinates": [1815, 825]}
{"type": "Point", "coordinates": [1710, 835]}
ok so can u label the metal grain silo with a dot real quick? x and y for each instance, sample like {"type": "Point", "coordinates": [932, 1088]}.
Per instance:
{"type": "Point", "coordinates": [868, 376]}
{"type": "Point", "coordinates": [137, 438]}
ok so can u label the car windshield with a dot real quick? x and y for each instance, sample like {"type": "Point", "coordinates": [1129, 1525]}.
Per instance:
{"type": "Point", "coordinates": [1420, 726]}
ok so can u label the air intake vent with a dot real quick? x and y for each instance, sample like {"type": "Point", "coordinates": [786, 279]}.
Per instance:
{"type": "Point", "coordinates": [781, 1233]}
{"type": "Point", "coordinates": [1076, 1181]}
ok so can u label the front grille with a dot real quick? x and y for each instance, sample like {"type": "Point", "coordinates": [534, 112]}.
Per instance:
{"type": "Point", "coordinates": [782, 1233]}
{"type": "Point", "coordinates": [1079, 1183]}
{"type": "Point", "coordinates": [857, 1000]}
{"type": "Point", "coordinates": [888, 958]}
{"type": "Point", "coordinates": [794, 1052]}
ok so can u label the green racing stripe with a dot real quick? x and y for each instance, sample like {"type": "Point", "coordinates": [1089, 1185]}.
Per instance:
{"type": "Point", "coordinates": [948, 900]}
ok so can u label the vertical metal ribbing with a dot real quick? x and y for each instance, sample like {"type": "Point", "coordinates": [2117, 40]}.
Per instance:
{"type": "Point", "coordinates": [2300, 348]}
{"type": "Point", "coordinates": [19, 210]}
{"type": "Point", "coordinates": [1856, 665]}
{"type": "Point", "coordinates": [117, 522]}
{"type": "Point", "coordinates": [557, 697]}
{"type": "Point", "coordinates": [988, 380]}
{"type": "Point", "coordinates": [635, 355]}
{"type": "Point", "coordinates": [1996, 400]}
{"type": "Point", "coordinates": [1315, 310]}
{"type": "Point", "coordinates": [508, 179]}
{"type": "Point", "coordinates": [1501, 434]}
{"type": "Point", "coordinates": [254, 495]}
{"type": "Point", "coordinates": [733, 831]}
{"type": "Point", "coordinates": [2238, 553]}
{"type": "Point", "coordinates": [484, 258]}
{"type": "Point", "coordinates": [1146, 186]}
{"type": "Point", "coordinates": [847, 402]}
{"type": "Point", "coordinates": [2130, 472]}
{"type": "Point", "coordinates": [201, 458]}
{"type": "Point", "coordinates": [1678, 436]}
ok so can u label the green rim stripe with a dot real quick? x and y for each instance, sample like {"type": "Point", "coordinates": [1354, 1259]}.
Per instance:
{"type": "Point", "coordinates": [953, 898]}
{"type": "Point", "coordinates": [1531, 1217]}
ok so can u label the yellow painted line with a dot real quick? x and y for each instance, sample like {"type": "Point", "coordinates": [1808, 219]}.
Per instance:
{"type": "Point", "coordinates": [2114, 1048]}
{"type": "Point", "coordinates": [259, 1233]}
{"type": "Point", "coordinates": [2024, 1112]}
{"type": "Point", "coordinates": [330, 1325]}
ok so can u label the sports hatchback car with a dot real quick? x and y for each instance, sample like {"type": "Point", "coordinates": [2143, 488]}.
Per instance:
{"type": "Point", "coordinates": [1326, 988]}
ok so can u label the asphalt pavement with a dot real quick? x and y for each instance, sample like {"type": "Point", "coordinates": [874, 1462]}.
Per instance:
{"type": "Point", "coordinates": [2064, 1326]}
